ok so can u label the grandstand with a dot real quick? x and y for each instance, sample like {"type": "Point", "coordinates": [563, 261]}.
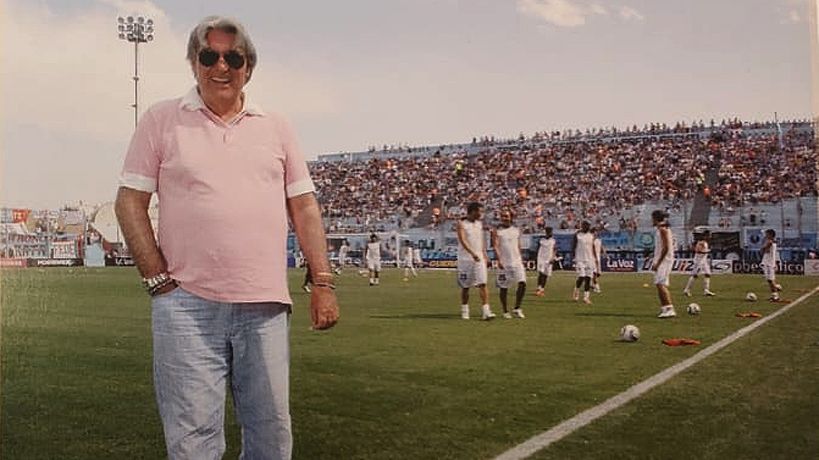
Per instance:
{"type": "Point", "coordinates": [730, 176]}
{"type": "Point", "coordinates": [733, 177]}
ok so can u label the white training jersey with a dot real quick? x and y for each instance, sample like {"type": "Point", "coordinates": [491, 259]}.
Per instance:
{"type": "Point", "coordinates": [701, 251]}
{"type": "Point", "coordinates": [509, 246]}
{"type": "Point", "coordinates": [416, 254]}
{"type": "Point", "coordinates": [771, 257]}
{"type": "Point", "coordinates": [658, 246]}
{"type": "Point", "coordinates": [546, 251]}
{"type": "Point", "coordinates": [374, 250]}
{"type": "Point", "coordinates": [584, 251]}
{"type": "Point", "coordinates": [342, 251]}
{"type": "Point", "coordinates": [473, 237]}
{"type": "Point", "coordinates": [408, 254]}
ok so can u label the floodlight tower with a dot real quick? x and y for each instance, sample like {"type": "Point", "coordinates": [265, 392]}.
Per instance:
{"type": "Point", "coordinates": [136, 30]}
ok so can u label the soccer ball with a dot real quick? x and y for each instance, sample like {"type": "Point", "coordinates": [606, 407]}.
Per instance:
{"type": "Point", "coordinates": [629, 333]}
{"type": "Point", "coordinates": [750, 297]}
{"type": "Point", "coordinates": [693, 309]}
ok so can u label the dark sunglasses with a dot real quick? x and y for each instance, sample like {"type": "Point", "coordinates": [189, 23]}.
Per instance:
{"type": "Point", "coordinates": [208, 58]}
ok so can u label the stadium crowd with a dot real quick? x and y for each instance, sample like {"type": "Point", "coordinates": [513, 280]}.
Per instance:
{"type": "Point", "coordinates": [598, 176]}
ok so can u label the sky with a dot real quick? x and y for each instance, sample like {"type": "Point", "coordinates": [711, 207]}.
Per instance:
{"type": "Point", "coordinates": [373, 72]}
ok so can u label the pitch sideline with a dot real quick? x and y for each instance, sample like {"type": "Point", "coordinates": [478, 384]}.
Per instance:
{"type": "Point", "coordinates": [569, 426]}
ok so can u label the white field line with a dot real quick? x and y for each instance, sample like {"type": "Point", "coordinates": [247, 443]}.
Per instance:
{"type": "Point", "coordinates": [569, 426]}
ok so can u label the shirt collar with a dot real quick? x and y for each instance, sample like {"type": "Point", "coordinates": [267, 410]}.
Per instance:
{"type": "Point", "coordinates": [193, 101]}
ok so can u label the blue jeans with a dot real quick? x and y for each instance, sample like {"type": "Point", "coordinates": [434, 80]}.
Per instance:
{"type": "Point", "coordinates": [200, 345]}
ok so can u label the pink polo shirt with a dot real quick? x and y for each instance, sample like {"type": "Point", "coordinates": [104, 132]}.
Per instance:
{"type": "Point", "coordinates": [222, 191]}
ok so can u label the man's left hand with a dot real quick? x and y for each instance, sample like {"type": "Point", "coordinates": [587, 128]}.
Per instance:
{"type": "Point", "coordinates": [323, 308]}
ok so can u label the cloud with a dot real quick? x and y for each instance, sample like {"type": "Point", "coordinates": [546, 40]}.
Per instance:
{"type": "Point", "coordinates": [597, 8]}
{"type": "Point", "coordinates": [572, 13]}
{"type": "Point", "coordinates": [630, 14]}
{"type": "Point", "coordinates": [561, 13]}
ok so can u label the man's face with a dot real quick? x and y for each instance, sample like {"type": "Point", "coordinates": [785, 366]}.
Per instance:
{"type": "Point", "coordinates": [477, 214]}
{"type": "Point", "coordinates": [220, 82]}
{"type": "Point", "coordinates": [506, 218]}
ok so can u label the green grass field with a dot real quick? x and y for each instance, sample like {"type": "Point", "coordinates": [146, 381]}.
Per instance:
{"type": "Point", "coordinates": [403, 377]}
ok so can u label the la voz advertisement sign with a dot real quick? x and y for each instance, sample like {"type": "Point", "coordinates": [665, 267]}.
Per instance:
{"type": "Point", "coordinates": [619, 265]}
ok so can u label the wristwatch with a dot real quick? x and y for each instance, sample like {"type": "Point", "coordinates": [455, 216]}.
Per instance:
{"type": "Point", "coordinates": [153, 283]}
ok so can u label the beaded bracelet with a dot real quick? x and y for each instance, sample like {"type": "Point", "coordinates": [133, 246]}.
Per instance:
{"type": "Point", "coordinates": [161, 285]}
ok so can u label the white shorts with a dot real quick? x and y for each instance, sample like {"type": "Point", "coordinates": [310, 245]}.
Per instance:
{"type": "Point", "coordinates": [407, 264]}
{"type": "Point", "coordinates": [769, 271]}
{"type": "Point", "coordinates": [374, 265]}
{"type": "Point", "coordinates": [584, 269]}
{"type": "Point", "coordinates": [663, 273]}
{"type": "Point", "coordinates": [544, 267]}
{"type": "Point", "coordinates": [471, 273]}
{"type": "Point", "coordinates": [702, 266]}
{"type": "Point", "coordinates": [510, 275]}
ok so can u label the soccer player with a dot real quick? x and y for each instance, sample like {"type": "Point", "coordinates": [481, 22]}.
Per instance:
{"type": "Point", "coordinates": [702, 264]}
{"type": "Point", "coordinates": [417, 260]}
{"type": "Point", "coordinates": [342, 256]}
{"type": "Point", "coordinates": [472, 260]}
{"type": "Point", "coordinates": [770, 257]}
{"type": "Point", "coordinates": [663, 262]}
{"type": "Point", "coordinates": [506, 243]}
{"type": "Point", "coordinates": [373, 257]}
{"type": "Point", "coordinates": [546, 255]}
{"type": "Point", "coordinates": [409, 266]}
{"type": "Point", "coordinates": [598, 255]}
{"type": "Point", "coordinates": [583, 249]}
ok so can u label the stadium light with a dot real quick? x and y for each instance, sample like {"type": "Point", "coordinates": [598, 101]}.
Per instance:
{"type": "Point", "coordinates": [135, 30]}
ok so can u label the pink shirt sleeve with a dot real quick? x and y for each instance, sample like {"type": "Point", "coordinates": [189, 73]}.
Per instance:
{"type": "Point", "coordinates": [141, 167]}
{"type": "Point", "coordinates": [296, 175]}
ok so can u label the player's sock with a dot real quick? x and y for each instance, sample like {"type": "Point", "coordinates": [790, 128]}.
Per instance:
{"type": "Point", "coordinates": [707, 284]}
{"type": "Point", "coordinates": [667, 311]}
{"type": "Point", "coordinates": [487, 313]}
{"type": "Point", "coordinates": [690, 283]}
{"type": "Point", "coordinates": [541, 281]}
{"type": "Point", "coordinates": [519, 295]}
{"type": "Point", "coordinates": [465, 311]}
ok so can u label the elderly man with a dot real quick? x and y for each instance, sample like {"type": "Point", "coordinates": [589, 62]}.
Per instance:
{"type": "Point", "coordinates": [227, 175]}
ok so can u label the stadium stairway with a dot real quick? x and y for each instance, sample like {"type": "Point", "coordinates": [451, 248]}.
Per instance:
{"type": "Point", "coordinates": [702, 203]}
{"type": "Point", "coordinates": [425, 217]}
